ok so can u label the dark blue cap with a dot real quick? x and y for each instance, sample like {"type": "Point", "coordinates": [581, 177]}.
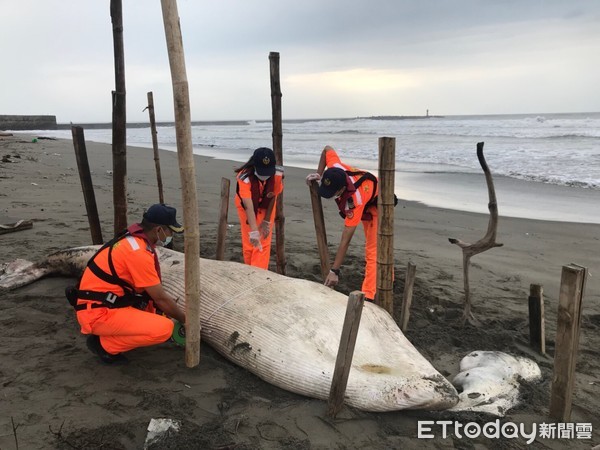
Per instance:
{"type": "Point", "coordinates": [161, 214]}
{"type": "Point", "coordinates": [263, 160]}
{"type": "Point", "coordinates": [333, 180]}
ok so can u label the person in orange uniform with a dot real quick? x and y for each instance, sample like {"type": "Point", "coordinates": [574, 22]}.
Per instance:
{"type": "Point", "coordinates": [259, 182]}
{"type": "Point", "coordinates": [355, 192]}
{"type": "Point", "coordinates": [120, 289]}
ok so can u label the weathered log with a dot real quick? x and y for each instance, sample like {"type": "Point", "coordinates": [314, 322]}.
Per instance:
{"type": "Point", "coordinates": [486, 242]}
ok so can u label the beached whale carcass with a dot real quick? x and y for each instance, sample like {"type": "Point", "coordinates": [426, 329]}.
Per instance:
{"type": "Point", "coordinates": [286, 331]}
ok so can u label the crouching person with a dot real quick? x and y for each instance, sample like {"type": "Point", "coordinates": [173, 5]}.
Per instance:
{"type": "Point", "coordinates": [120, 290]}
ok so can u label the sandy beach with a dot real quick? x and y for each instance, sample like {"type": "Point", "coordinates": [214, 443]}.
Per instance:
{"type": "Point", "coordinates": [55, 394]}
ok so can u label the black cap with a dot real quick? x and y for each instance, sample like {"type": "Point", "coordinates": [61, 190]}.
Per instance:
{"type": "Point", "coordinates": [333, 180]}
{"type": "Point", "coordinates": [162, 214]}
{"type": "Point", "coordinates": [263, 160]}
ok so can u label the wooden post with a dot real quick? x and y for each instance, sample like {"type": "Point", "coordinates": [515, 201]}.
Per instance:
{"type": "Point", "coordinates": [537, 325]}
{"type": "Point", "coordinates": [572, 288]}
{"type": "Point", "coordinates": [409, 283]}
{"type": "Point", "coordinates": [150, 107]}
{"type": "Point", "coordinates": [222, 230]}
{"type": "Point", "coordinates": [278, 150]}
{"type": "Point", "coordinates": [86, 184]}
{"type": "Point", "coordinates": [317, 209]}
{"type": "Point", "coordinates": [119, 121]}
{"type": "Point", "coordinates": [343, 361]}
{"type": "Point", "coordinates": [385, 226]}
{"type": "Point", "coordinates": [187, 172]}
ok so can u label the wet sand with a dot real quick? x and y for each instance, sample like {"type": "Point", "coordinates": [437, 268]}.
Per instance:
{"type": "Point", "coordinates": [59, 397]}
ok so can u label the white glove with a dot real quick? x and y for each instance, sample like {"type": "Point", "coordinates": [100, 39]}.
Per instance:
{"type": "Point", "coordinates": [313, 177]}
{"type": "Point", "coordinates": [264, 228]}
{"type": "Point", "coordinates": [255, 240]}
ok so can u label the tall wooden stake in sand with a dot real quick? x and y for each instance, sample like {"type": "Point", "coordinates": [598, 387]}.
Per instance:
{"type": "Point", "coordinates": [187, 171]}
{"type": "Point", "coordinates": [317, 208]}
{"type": "Point", "coordinates": [150, 109]}
{"type": "Point", "coordinates": [407, 295]}
{"type": "Point", "coordinates": [223, 211]}
{"type": "Point", "coordinates": [385, 225]}
{"type": "Point", "coordinates": [572, 289]}
{"type": "Point", "coordinates": [343, 362]}
{"type": "Point", "coordinates": [537, 324]}
{"type": "Point", "coordinates": [86, 184]}
{"type": "Point", "coordinates": [278, 150]}
{"type": "Point", "coordinates": [119, 121]}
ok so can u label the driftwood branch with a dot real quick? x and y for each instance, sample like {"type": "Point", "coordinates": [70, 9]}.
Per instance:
{"type": "Point", "coordinates": [59, 436]}
{"type": "Point", "coordinates": [486, 242]}
{"type": "Point", "coordinates": [14, 428]}
{"type": "Point", "coordinates": [17, 226]}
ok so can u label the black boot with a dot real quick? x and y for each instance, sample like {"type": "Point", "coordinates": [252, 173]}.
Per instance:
{"type": "Point", "coordinates": [93, 343]}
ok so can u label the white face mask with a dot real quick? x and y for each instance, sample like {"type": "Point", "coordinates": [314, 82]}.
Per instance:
{"type": "Point", "coordinates": [261, 177]}
{"type": "Point", "coordinates": [164, 243]}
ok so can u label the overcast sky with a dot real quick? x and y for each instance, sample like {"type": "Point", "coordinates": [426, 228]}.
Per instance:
{"type": "Point", "coordinates": [339, 58]}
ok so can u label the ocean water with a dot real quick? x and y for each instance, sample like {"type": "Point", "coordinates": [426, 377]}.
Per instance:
{"type": "Point", "coordinates": [436, 163]}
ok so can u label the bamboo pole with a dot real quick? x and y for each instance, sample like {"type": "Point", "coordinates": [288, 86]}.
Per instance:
{"type": "Point", "coordinates": [317, 209]}
{"type": "Point", "coordinates": [150, 108]}
{"type": "Point", "coordinates": [119, 121]}
{"type": "Point", "coordinates": [343, 361]}
{"type": "Point", "coordinates": [224, 210]}
{"type": "Point", "coordinates": [187, 173]}
{"type": "Point", "coordinates": [572, 288]}
{"type": "Point", "coordinates": [409, 283]}
{"type": "Point", "coordinates": [278, 150]}
{"type": "Point", "coordinates": [385, 226]}
{"type": "Point", "coordinates": [86, 184]}
{"type": "Point", "coordinates": [537, 325]}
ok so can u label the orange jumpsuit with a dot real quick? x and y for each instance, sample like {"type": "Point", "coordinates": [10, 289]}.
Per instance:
{"type": "Point", "coordinates": [252, 255]}
{"type": "Point", "coordinates": [354, 212]}
{"type": "Point", "coordinates": [123, 329]}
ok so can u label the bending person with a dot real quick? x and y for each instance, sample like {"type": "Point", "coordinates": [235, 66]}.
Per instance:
{"type": "Point", "coordinates": [259, 182]}
{"type": "Point", "coordinates": [120, 290]}
{"type": "Point", "coordinates": [355, 192]}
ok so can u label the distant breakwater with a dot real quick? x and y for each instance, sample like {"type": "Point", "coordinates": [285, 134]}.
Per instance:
{"type": "Point", "coordinates": [46, 122]}
{"type": "Point", "coordinates": [108, 125]}
{"type": "Point", "coordinates": [22, 122]}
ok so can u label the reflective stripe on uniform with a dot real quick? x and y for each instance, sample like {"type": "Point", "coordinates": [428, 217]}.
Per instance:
{"type": "Point", "coordinates": [133, 242]}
